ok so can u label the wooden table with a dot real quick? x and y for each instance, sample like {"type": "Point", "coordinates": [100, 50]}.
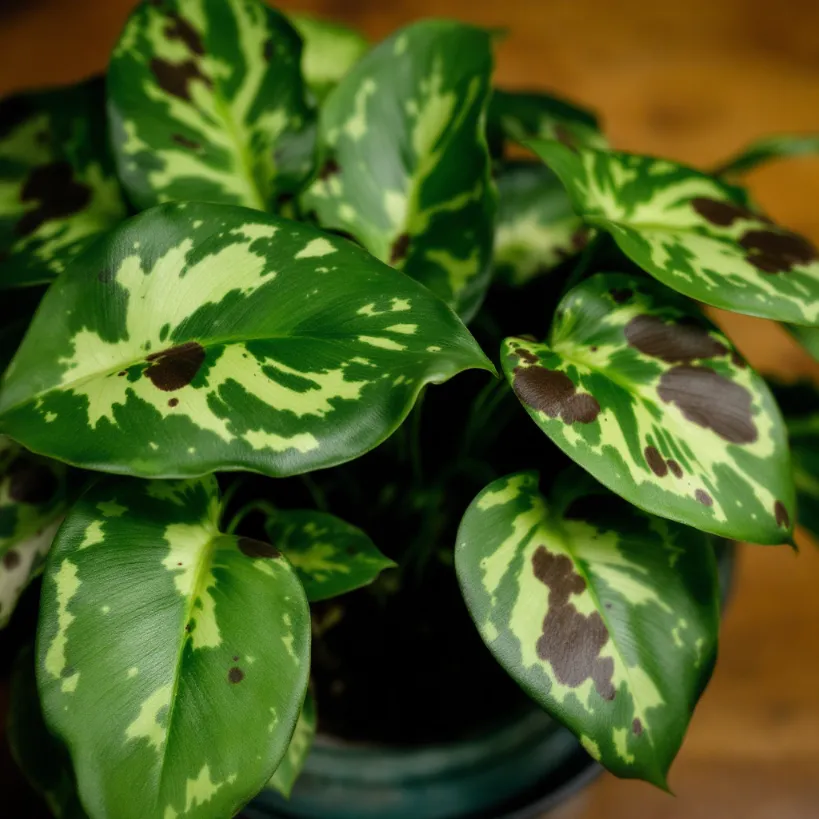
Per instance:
{"type": "Point", "coordinates": [691, 80]}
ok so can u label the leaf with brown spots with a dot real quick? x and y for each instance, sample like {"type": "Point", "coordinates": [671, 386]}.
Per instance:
{"type": "Point", "coordinates": [605, 615]}
{"type": "Point", "coordinates": [647, 395]}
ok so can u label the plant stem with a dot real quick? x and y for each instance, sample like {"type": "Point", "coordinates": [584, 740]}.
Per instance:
{"type": "Point", "coordinates": [229, 494]}
{"type": "Point", "coordinates": [583, 264]}
{"type": "Point", "coordinates": [258, 505]}
{"type": "Point", "coordinates": [316, 493]}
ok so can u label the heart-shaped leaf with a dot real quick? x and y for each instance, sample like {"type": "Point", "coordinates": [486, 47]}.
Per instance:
{"type": "Point", "coordinates": [199, 337]}
{"type": "Point", "coordinates": [406, 169]}
{"type": "Point", "coordinates": [606, 616]}
{"type": "Point", "coordinates": [300, 744]}
{"type": "Point", "coordinates": [58, 189]}
{"type": "Point", "coordinates": [643, 392]}
{"type": "Point", "coordinates": [207, 102]}
{"type": "Point", "coordinates": [172, 659]}
{"type": "Point", "coordinates": [768, 149]}
{"type": "Point", "coordinates": [692, 232]}
{"type": "Point", "coordinates": [330, 557]}
{"type": "Point", "coordinates": [32, 502]}
{"type": "Point", "coordinates": [330, 51]}
{"type": "Point", "coordinates": [537, 228]}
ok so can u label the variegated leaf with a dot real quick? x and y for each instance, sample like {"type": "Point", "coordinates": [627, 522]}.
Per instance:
{"type": "Point", "coordinates": [329, 51]}
{"type": "Point", "coordinates": [43, 760]}
{"type": "Point", "coordinates": [172, 659]}
{"type": "Point", "coordinates": [520, 116]}
{"type": "Point", "coordinates": [606, 616]}
{"type": "Point", "coordinates": [405, 164]}
{"type": "Point", "coordinates": [300, 744]}
{"type": "Point", "coordinates": [537, 228]}
{"type": "Point", "coordinates": [198, 337]}
{"type": "Point", "coordinates": [207, 103]}
{"type": "Point", "coordinates": [692, 232]}
{"type": "Point", "coordinates": [640, 389]}
{"type": "Point", "coordinates": [58, 189]}
{"type": "Point", "coordinates": [330, 557]}
{"type": "Point", "coordinates": [768, 149]}
{"type": "Point", "coordinates": [32, 502]}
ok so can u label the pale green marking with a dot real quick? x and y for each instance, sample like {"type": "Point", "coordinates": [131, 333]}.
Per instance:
{"type": "Point", "coordinates": [620, 736]}
{"type": "Point", "coordinates": [132, 672]}
{"type": "Point", "coordinates": [592, 748]}
{"type": "Point", "coordinates": [147, 725]}
{"type": "Point", "coordinates": [316, 248]}
{"type": "Point", "coordinates": [317, 560]}
{"type": "Point", "coordinates": [399, 305]}
{"type": "Point", "coordinates": [202, 788]}
{"type": "Point", "coordinates": [405, 329]}
{"type": "Point", "coordinates": [433, 348]}
{"type": "Point", "coordinates": [384, 343]}
{"type": "Point", "coordinates": [356, 126]}
{"type": "Point", "coordinates": [69, 684]}
{"type": "Point", "coordinates": [68, 583]}
{"type": "Point", "coordinates": [111, 509]}
{"type": "Point", "coordinates": [93, 535]}
{"type": "Point", "coordinates": [507, 494]}
{"type": "Point", "coordinates": [459, 271]}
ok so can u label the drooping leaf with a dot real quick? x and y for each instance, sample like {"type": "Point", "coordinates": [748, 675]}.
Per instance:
{"type": "Point", "coordinates": [405, 164]}
{"type": "Point", "coordinates": [537, 228]}
{"type": "Point", "coordinates": [640, 389]}
{"type": "Point", "coordinates": [692, 232]}
{"type": "Point", "coordinates": [207, 103]}
{"type": "Point", "coordinates": [606, 616]}
{"type": "Point", "coordinates": [520, 116]}
{"type": "Point", "coordinates": [58, 188]}
{"type": "Point", "coordinates": [172, 659]}
{"type": "Point", "coordinates": [300, 744]}
{"type": "Point", "coordinates": [43, 760]}
{"type": "Point", "coordinates": [330, 557]}
{"type": "Point", "coordinates": [198, 337]}
{"type": "Point", "coordinates": [768, 149]}
{"type": "Point", "coordinates": [32, 502]}
{"type": "Point", "coordinates": [329, 51]}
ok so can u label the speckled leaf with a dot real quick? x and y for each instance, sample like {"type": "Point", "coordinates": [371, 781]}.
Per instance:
{"type": "Point", "coordinates": [300, 744]}
{"type": "Point", "coordinates": [58, 189]}
{"type": "Point", "coordinates": [207, 102]}
{"type": "Point", "coordinates": [640, 389]}
{"type": "Point", "coordinates": [330, 51]}
{"type": "Point", "coordinates": [405, 164]}
{"type": "Point", "coordinates": [520, 116]}
{"type": "Point", "coordinates": [32, 502]}
{"type": "Point", "coordinates": [331, 557]}
{"type": "Point", "coordinates": [537, 228]}
{"type": "Point", "coordinates": [606, 616]}
{"type": "Point", "coordinates": [199, 337]}
{"type": "Point", "coordinates": [43, 760]}
{"type": "Point", "coordinates": [692, 232]}
{"type": "Point", "coordinates": [172, 659]}
{"type": "Point", "coordinates": [768, 149]}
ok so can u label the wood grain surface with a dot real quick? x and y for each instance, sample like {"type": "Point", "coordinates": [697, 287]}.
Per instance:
{"type": "Point", "coordinates": [693, 81]}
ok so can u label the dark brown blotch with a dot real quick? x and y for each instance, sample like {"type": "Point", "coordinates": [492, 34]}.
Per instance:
{"type": "Point", "coordinates": [328, 169]}
{"type": "Point", "coordinates": [190, 144]}
{"type": "Point", "coordinates": [175, 78]}
{"type": "Point", "coordinates": [11, 559]}
{"type": "Point", "coordinates": [621, 294]}
{"type": "Point", "coordinates": [783, 519]}
{"type": "Point", "coordinates": [637, 726]}
{"type": "Point", "coordinates": [176, 367]}
{"type": "Point", "coordinates": [777, 252]}
{"type": "Point", "coordinates": [671, 342]}
{"type": "Point", "coordinates": [526, 355]}
{"type": "Point", "coordinates": [235, 675]}
{"type": "Point", "coordinates": [554, 393]}
{"type": "Point", "coordinates": [721, 213]}
{"type": "Point", "coordinates": [703, 497]}
{"type": "Point", "coordinates": [181, 29]}
{"type": "Point", "coordinates": [57, 193]}
{"type": "Point", "coordinates": [172, 402]}
{"type": "Point", "coordinates": [676, 469]}
{"type": "Point", "coordinates": [400, 248]}
{"type": "Point", "coordinates": [655, 461]}
{"type": "Point", "coordinates": [257, 548]}
{"type": "Point", "coordinates": [31, 482]}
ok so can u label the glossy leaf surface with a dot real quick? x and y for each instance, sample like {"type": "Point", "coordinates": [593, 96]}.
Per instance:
{"type": "Point", "coordinates": [330, 557]}
{"type": "Point", "coordinates": [606, 616]}
{"type": "Point", "coordinates": [405, 163]}
{"type": "Point", "coordinates": [207, 103]}
{"type": "Point", "coordinates": [58, 189]}
{"type": "Point", "coordinates": [300, 744]}
{"type": "Point", "coordinates": [692, 232]}
{"type": "Point", "coordinates": [640, 389]}
{"type": "Point", "coordinates": [172, 659]}
{"type": "Point", "coordinates": [200, 337]}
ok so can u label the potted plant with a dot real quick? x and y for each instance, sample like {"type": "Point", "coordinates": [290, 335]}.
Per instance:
{"type": "Point", "coordinates": [271, 297]}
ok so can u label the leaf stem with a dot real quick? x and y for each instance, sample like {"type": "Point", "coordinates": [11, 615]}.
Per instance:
{"type": "Point", "coordinates": [258, 505]}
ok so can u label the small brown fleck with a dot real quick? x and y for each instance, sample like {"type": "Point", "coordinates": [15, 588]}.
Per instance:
{"type": "Point", "coordinates": [704, 498]}
{"type": "Point", "coordinates": [565, 136]}
{"type": "Point", "coordinates": [328, 169]}
{"type": "Point", "coordinates": [783, 519]}
{"type": "Point", "coordinates": [185, 142]}
{"type": "Point", "coordinates": [173, 402]}
{"type": "Point", "coordinates": [236, 675]}
{"type": "Point", "coordinates": [621, 294]}
{"type": "Point", "coordinates": [122, 372]}
{"type": "Point", "coordinates": [11, 559]}
{"type": "Point", "coordinates": [400, 248]}
{"type": "Point", "coordinates": [637, 726]}
{"type": "Point", "coordinates": [655, 461]}
{"type": "Point", "coordinates": [235, 659]}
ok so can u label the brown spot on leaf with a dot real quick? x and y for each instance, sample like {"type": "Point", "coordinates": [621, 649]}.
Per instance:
{"type": "Point", "coordinates": [703, 497]}
{"type": "Point", "coordinates": [328, 169]}
{"type": "Point", "coordinates": [400, 248]}
{"type": "Point", "coordinates": [655, 461]}
{"type": "Point", "coordinates": [236, 675]}
{"type": "Point", "coordinates": [11, 559]}
{"type": "Point", "coordinates": [737, 360]}
{"type": "Point", "coordinates": [676, 469]}
{"type": "Point", "coordinates": [176, 367]}
{"type": "Point", "coordinates": [783, 519]}
{"type": "Point", "coordinates": [621, 294]}
{"type": "Point", "coordinates": [122, 373]}
{"type": "Point", "coordinates": [637, 726]}
{"type": "Point", "coordinates": [57, 193]}
{"type": "Point", "coordinates": [175, 78]}
{"type": "Point", "coordinates": [172, 402]}
{"type": "Point", "coordinates": [31, 482]}
{"type": "Point", "coordinates": [555, 394]}
{"type": "Point", "coordinates": [180, 29]}
{"type": "Point", "coordinates": [190, 144]}
{"type": "Point", "coordinates": [526, 355]}
{"type": "Point", "coordinates": [571, 642]}
{"type": "Point", "coordinates": [564, 135]}
{"type": "Point", "coordinates": [14, 111]}
{"type": "Point", "coordinates": [671, 342]}
{"type": "Point", "coordinates": [257, 548]}
{"type": "Point", "coordinates": [711, 401]}
{"type": "Point", "coordinates": [720, 213]}
{"type": "Point", "coordinates": [777, 252]}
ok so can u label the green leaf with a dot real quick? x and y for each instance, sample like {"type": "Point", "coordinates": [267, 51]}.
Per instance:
{"type": "Point", "coordinates": [43, 760]}
{"type": "Point", "coordinates": [606, 616]}
{"type": "Point", "coordinates": [406, 169]}
{"type": "Point", "coordinates": [640, 389]}
{"type": "Point", "coordinates": [330, 51]}
{"type": "Point", "coordinates": [330, 557]}
{"type": "Point", "coordinates": [58, 189]}
{"type": "Point", "coordinates": [768, 149]}
{"type": "Point", "coordinates": [520, 116]}
{"type": "Point", "coordinates": [692, 232]}
{"type": "Point", "coordinates": [537, 228]}
{"type": "Point", "coordinates": [199, 337]}
{"type": "Point", "coordinates": [207, 102]}
{"type": "Point", "coordinates": [32, 502]}
{"type": "Point", "coordinates": [172, 659]}
{"type": "Point", "coordinates": [297, 751]}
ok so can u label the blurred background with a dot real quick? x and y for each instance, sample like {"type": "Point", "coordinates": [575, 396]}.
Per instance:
{"type": "Point", "coordinates": [693, 81]}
